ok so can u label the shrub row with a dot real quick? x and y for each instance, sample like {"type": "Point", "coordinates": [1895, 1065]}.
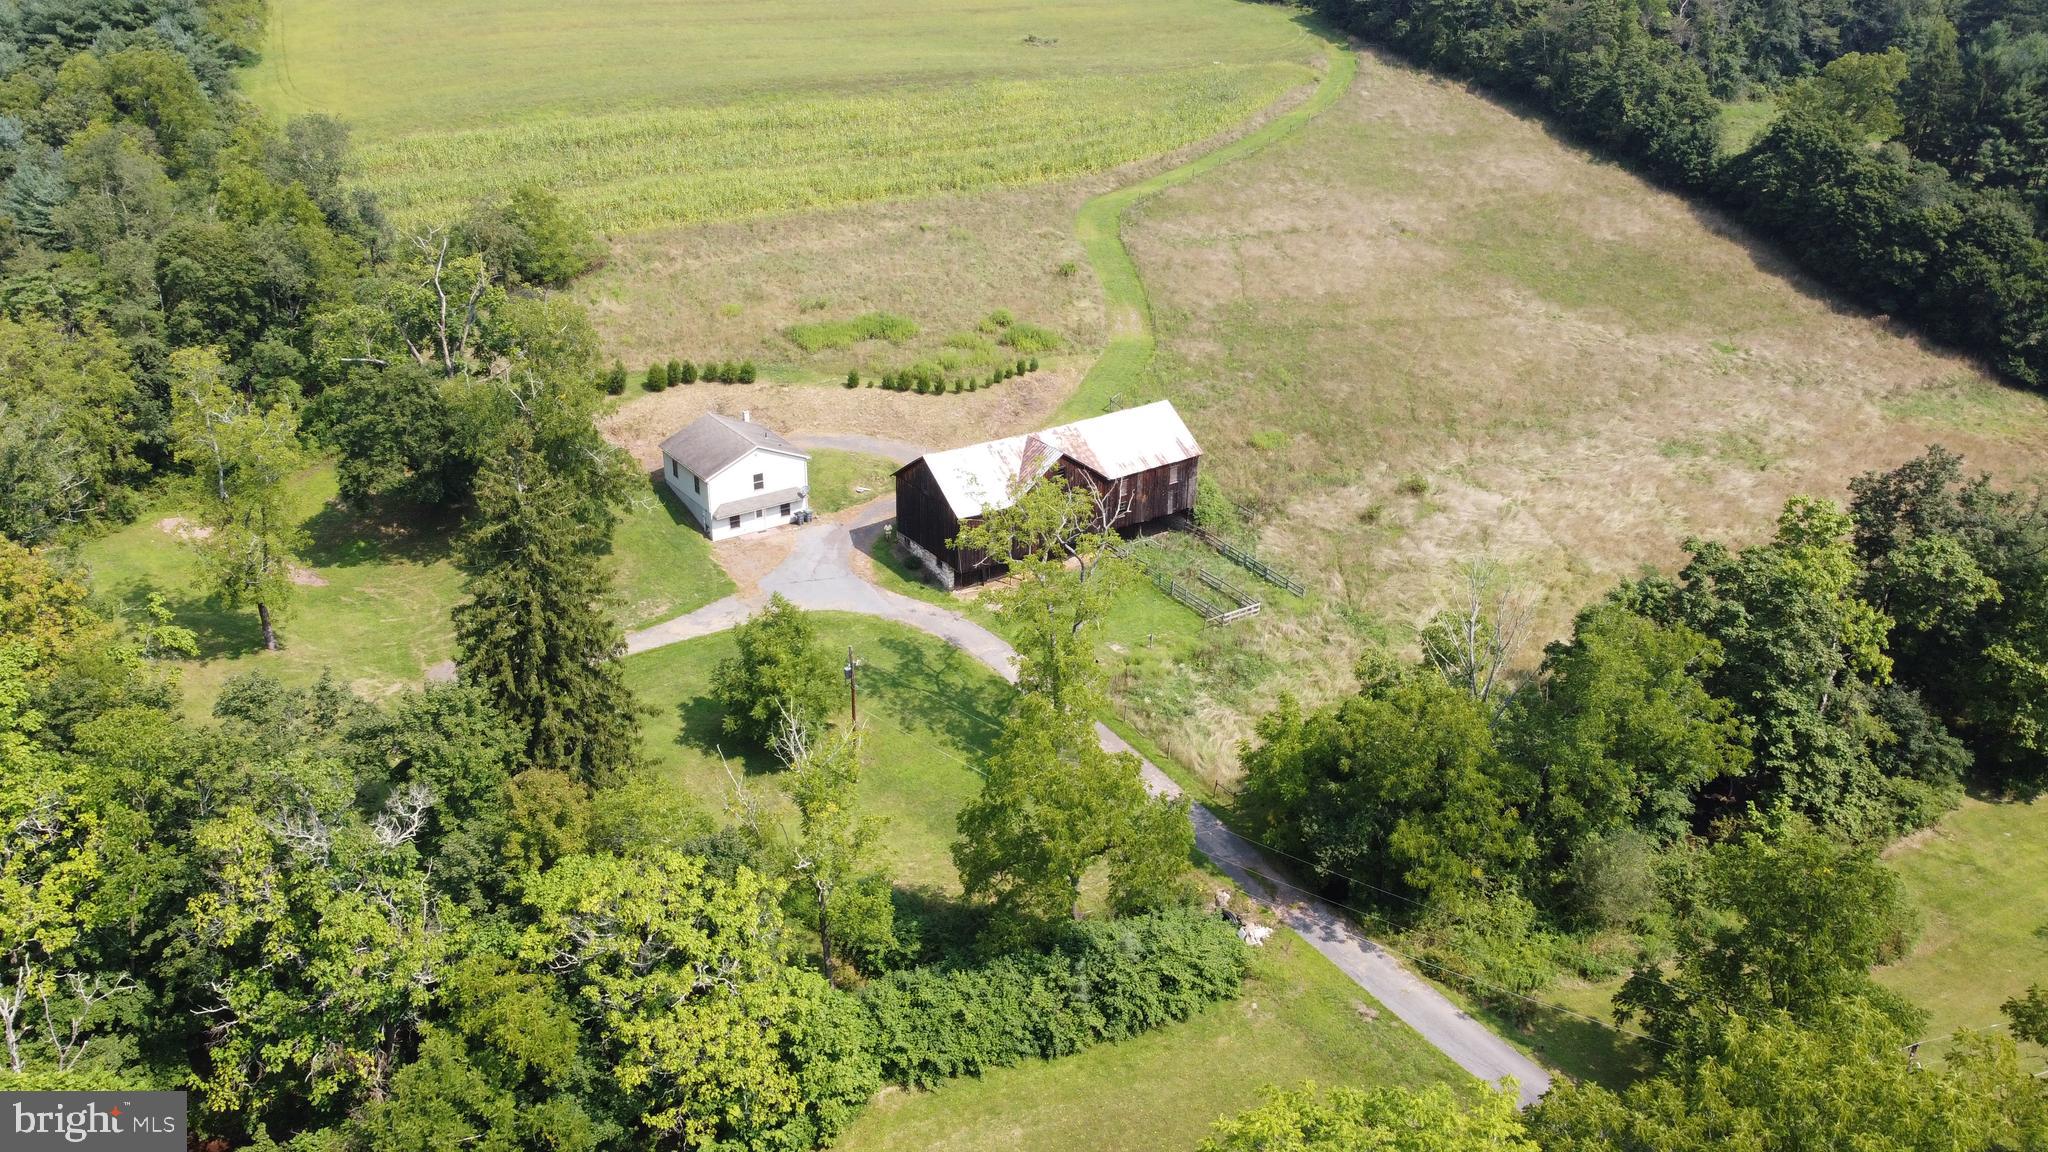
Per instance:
{"type": "Point", "coordinates": [926, 380]}
{"type": "Point", "coordinates": [663, 376]}
{"type": "Point", "coordinates": [1895, 234]}
{"type": "Point", "coordinates": [1105, 980]}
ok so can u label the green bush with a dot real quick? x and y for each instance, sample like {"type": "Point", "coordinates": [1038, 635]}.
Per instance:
{"type": "Point", "coordinates": [1030, 339]}
{"type": "Point", "coordinates": [657, 377]}
{"type": "Point", "coordinates": [992, 378]}
{"type": "Point", "coordinates": [853, 378]}
{"type": "Point", "coordinates": [1020, 368]}
{"type": "Point", "coordinates": [1105, 980]}
{"type": "Point", "coordinates": [1032, 363]}
{"type": "Point", "coordinates": [689, 373]}
{"type": "Point", "coordinates": [615, 380]}
{"type": "Point", "coordinates": [824, 334]}
{"type": "Point", "coordinates": [728, 372]}
{"type": "Point", "coordinates": [675, 372]}
{"type": "Point", "coordinates": [923, 386]}
{"type": "Point", "coordinates": [746, 372]}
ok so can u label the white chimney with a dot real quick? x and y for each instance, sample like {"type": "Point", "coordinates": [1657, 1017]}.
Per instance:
{"type": "Point", "coordinates": [746, 417]}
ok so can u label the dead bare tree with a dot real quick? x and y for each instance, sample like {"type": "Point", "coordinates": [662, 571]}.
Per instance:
{"type": "Point", "coordinates": [1474, 642]}
{"type": "Point", "coordinates": [449, 335]}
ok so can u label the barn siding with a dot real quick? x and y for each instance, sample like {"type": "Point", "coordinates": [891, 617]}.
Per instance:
{"type": "Point", "coordinates": [924, 516]}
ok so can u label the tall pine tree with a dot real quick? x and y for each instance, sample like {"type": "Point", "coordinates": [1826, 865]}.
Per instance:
{"type": "Point", "coordinates": [536, 631]}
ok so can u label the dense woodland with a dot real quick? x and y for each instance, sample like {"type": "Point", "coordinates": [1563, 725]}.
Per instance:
{"type": "Point", "coordinates": [468, 915]}
{"type": "Point", "coordinates": [1904, 166]}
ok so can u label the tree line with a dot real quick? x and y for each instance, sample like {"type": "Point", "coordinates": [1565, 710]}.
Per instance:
{"type": "Point", "coordinates": [469, 913]}
{"type": "Point", "coordinates": [1704, 771]}
{"type": "Point", "coordinates": [1904, 166]}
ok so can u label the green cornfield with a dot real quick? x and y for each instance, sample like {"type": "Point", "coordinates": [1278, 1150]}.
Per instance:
{"type": "Point", "coordinates": [775, 154]}
{"type": "Point", "coordinates": [652, 112]}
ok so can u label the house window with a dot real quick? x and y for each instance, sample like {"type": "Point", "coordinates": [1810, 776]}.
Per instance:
{"type": "Point", "coordinates": [733, 523]}
{"type": "Point", "coordinates": [785, 509]}
{"type": "Point", "coordinates": [696, 484]}
{"type": "Point", "coordinates": [760, 481]}
{"type": "Point", "coordinates": [1173, 474]}
{"type": "Point", "coordinates": [675, 469]}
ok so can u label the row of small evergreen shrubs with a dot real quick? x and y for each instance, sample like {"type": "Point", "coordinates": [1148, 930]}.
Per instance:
{"type": "Point", "coordinates": [663, 376]}
{"type": "Point", "coordinates": [1104, 980]}
{"type": "Point", "coordinates": [930, 381]}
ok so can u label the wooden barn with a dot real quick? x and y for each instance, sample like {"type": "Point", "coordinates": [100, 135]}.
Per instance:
{"type": "Point", "coordinates": [1141, 462]}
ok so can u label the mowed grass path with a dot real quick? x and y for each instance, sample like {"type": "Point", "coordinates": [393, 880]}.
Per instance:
{"type": "Point", "coordinates": [1422, 329]}
{"type": "Point", "coordinates": [648, 112]}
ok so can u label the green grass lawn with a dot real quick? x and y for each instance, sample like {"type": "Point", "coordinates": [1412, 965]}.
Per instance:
{"type": "Point", "coordinates": [1298, 1019]}
{"type": "Point", "coordinates": [664, 564]}
{"type": "Point", "coordinates": [1742, 121]}
{"type": "Point", "coordinates": [835, 475]}
{"type": "Point", "coordinates": [1980, 881]}
{"type": "Point", "coordinates": [929, 711]}
{"type": "Point", "coordinates": [373, 607]}
{"type": "Point", "coordinates": [647, 112]}
{"type": "Point", "coordinates": [376, 620]}
{"type": "Point", "coordinates": [1977, 880]}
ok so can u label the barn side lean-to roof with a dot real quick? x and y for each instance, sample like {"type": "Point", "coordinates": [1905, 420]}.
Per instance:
{"type": "Point", "coordinates": [981, 476]}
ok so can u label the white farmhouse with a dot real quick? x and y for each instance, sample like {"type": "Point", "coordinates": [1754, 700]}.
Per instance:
{"type": "Point", "coordinates": [736, 476]}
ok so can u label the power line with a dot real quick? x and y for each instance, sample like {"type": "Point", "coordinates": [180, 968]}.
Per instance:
{"type": "Point", "coordinates": [1380, 917]}
{"type": "Point", "coordinates": [1278, 882]}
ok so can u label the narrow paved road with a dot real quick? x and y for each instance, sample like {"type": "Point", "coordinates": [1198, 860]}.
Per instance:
{"type": "Point", "coordinates": [818, 574]}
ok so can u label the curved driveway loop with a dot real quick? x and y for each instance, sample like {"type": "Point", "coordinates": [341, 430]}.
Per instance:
{"type": "Point", "coordinates": [819, 575]}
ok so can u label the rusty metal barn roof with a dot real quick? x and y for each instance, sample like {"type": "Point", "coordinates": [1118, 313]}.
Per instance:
{"type": "Point", "coordinates": [1119, 444]}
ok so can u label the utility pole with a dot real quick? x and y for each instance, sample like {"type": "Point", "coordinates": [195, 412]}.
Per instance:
{"type": "Point", "coordinates": [853, 684]}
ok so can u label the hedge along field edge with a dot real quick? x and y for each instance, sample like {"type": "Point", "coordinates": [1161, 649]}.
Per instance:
{"type": "Point", "coordinates": [1099, 226]}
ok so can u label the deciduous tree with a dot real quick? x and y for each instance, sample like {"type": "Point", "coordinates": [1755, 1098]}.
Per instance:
{"type": "Point", "coordinates": [778, 678]}
{"type": "Point", "coordinates": [241, 454]}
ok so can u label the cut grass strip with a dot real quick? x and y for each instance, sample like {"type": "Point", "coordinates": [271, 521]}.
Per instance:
{"type": "Point", "coordinates": [1100, 229]}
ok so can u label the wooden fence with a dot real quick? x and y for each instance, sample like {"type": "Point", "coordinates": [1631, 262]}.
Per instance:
{"type": "Point", "coordinates": [1242, 558]}
{"type": "Point", "coordinates": [1212, 613]}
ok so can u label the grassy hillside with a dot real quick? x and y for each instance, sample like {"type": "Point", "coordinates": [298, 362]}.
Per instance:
{"type": "Point", "coordinates": [1423, 330]}
{"type": "Point", "coordinates": [371, 604]}
{"type": "Point", "coordinates": [648, 112]}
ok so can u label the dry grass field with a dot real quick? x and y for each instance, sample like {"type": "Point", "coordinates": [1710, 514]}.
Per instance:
{"type": "Point", "coordinates": [1423, 331]}
{"type": "Point", "coordinates": [729, 291]}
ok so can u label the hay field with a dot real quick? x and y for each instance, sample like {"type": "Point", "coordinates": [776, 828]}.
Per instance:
{"type": "Point", "coordinates": [649, 112]}
{"type": "Point", "coordinates": [732, 290]}
{"type": "Point", "coordinates": [1423, 330]}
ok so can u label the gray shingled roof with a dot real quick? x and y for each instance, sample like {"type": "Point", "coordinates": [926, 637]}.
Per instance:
{"type": "Point", "coordinates": [757, 502]}
{"type": "Point", "coordinates": [712, 441]}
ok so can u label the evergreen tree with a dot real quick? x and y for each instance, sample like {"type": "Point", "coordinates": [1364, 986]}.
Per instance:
{"type": "Point", "coordinates": [657, 377]}
{"type": "Point", "coordinates": [689, 372]}
{"type": "Point", "coordinates": [535, 630]}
